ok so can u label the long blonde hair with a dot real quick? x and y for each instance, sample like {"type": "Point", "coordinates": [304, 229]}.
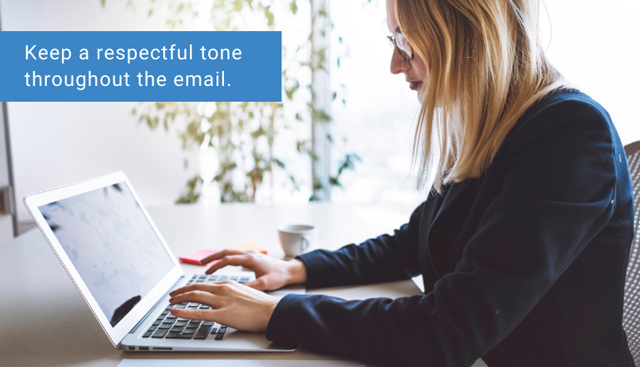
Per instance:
{"type": "Point", "coordinates": [485, 68]}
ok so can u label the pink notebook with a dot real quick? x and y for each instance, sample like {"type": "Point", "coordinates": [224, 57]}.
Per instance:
{"type": "Point", "coordinates": [196, 257]}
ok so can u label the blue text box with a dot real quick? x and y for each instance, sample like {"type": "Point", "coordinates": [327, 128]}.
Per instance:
{"type": "Point", "coordinates": [141, 66]}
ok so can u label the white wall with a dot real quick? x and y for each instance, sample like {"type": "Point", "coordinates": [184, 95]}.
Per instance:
{"type": "Point", "coordinates": [59, 143]}
{"type": "Point", "coordinates": [596, 45]}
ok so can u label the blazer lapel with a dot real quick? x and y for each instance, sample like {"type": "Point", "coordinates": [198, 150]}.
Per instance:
{"type": "Point", "coordinates": [452, 195]}
{"type": "Point", "coordinates": [448, 224]}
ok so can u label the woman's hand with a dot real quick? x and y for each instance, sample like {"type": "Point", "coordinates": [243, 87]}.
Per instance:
{"type": "Point", "coordinates": [271, 273]}
{"type": "Point", "coordinates": [232, 304]}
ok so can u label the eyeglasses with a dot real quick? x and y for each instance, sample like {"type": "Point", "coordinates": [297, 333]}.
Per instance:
{"type": "Point", "coordinates": [399, 41]}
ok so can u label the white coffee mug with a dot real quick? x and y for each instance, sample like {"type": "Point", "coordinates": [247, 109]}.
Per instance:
{"type": "Point", "coordinates": [296, 238]}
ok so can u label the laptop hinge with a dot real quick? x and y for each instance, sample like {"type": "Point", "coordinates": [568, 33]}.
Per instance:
{"type": "Point", "coordinates": [142, 320]}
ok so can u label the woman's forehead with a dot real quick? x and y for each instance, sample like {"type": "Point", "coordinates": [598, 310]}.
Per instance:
{"type": "Point", "coordinates": [392, 21]}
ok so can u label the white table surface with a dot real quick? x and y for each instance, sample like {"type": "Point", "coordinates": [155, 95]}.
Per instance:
{"type": "Point", "coordinates": [45, 322]}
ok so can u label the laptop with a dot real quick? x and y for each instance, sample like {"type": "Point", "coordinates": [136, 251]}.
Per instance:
{"type": "Point", "coordinates": [124, 270]}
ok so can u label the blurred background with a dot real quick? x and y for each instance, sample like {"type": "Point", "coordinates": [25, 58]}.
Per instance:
{"type": "Point", "coordinates": [342, 133]}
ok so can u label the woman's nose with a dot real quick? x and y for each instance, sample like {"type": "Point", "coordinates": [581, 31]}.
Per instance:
{"type": "Point", "coordinates": [398, 65]}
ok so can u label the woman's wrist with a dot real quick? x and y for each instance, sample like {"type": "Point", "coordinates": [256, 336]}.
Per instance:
{"type": "Point", "coordinates": [297, 272]}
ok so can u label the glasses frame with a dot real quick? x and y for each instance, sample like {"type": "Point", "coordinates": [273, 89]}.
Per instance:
{"type": "Point", "coordinates": [394, 41]}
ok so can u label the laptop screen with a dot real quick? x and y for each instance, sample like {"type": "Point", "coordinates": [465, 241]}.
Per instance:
{"type": "Point", "coordinates": [111, 244]}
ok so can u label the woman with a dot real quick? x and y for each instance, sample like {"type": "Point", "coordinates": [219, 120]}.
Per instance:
{"type": "Point", "coordinates": [523, 241]}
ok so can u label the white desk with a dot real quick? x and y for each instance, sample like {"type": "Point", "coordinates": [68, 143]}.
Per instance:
{"type": "Point", "coordinates": [45, 322]}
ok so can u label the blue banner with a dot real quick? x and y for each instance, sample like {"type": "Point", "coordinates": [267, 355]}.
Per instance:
{"type": "Point", "coordinates": [141, 66]}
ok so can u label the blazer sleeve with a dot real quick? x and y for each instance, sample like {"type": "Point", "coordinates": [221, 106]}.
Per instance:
{"type": "Point", "coordinates": [558, 190]}
{"type": "Point", "coordinates": [382, 259]}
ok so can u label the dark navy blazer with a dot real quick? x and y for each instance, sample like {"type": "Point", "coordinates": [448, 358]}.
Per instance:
{"type": "Point", "coordinates": [524, 266]}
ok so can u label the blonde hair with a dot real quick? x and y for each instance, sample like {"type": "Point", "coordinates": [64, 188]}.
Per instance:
{"type": "Point", "coordinates": [485, 68]}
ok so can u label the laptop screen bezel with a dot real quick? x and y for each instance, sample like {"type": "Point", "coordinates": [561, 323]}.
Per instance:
{"type": "Point", "coordinates": [121, 329]}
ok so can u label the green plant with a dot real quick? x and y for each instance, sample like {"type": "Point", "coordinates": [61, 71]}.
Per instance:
{"type": "Point", "coordinates": [245, 127]}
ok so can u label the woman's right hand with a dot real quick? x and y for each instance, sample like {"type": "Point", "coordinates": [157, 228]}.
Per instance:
{"type": "Point", "coordinates": [271, 273]}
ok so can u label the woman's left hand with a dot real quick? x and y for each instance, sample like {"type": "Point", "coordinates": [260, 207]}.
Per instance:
{"type": "Point", "coordinates": [232, 304]}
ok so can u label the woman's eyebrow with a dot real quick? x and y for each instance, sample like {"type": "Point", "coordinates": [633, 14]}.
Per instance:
{"type": "Point", "coordinates": [397, 30]}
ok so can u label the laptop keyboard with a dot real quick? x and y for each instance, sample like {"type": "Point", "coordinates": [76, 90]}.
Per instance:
{"type": "Point", "coordinates": [171, 327]}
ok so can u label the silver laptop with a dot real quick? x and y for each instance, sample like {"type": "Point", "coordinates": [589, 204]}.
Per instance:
{"type": "Point", "coordinates": [124, 270]}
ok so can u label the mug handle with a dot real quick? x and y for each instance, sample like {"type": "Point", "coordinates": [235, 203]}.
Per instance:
{"type": "Point", "coordinates": [304, 241]}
